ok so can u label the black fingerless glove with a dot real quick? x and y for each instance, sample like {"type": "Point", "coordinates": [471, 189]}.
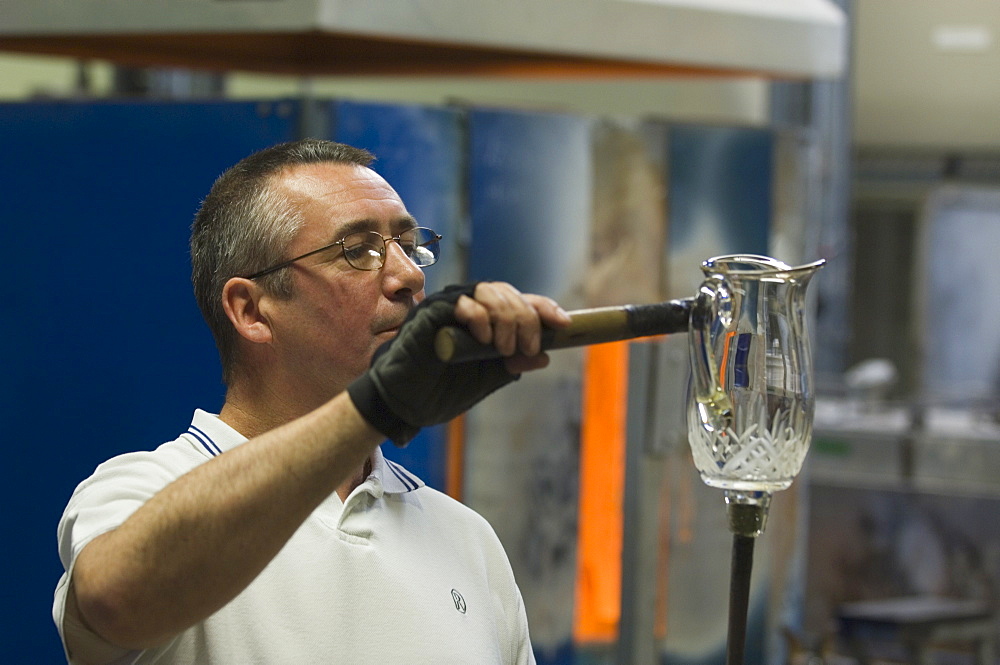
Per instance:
{"type": "Point", "coordinates": [407, 387]}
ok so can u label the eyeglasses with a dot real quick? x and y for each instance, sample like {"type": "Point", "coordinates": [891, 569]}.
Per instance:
{"type": "Point", "coordinates": [365, 250]}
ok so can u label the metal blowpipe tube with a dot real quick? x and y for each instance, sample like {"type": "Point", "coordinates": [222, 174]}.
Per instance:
{"type": "Point", "coordinates": [587, 326]}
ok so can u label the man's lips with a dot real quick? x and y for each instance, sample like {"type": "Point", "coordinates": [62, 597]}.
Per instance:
{"type": "Point", "coordinates": [393, 324]}
{"type": "Point", "coordinates": [389, 328]}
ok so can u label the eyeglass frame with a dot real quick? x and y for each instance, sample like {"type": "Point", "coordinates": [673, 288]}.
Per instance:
{"type": "Point", "coordinates": [343, 251]}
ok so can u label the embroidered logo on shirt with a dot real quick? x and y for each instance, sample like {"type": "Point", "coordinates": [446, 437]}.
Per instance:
{"type": "Point", "coordinates": [459, 601]}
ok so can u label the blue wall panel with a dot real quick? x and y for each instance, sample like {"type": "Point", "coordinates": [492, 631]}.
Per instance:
{"type": "Point", "coordinates": [530, 200]}
{"type": "Point", "coordinates": [419, 152]}
{"type": "Point", "coordinates": [719, 195]}
{"type": "Point", "coordinates": [105, 348]}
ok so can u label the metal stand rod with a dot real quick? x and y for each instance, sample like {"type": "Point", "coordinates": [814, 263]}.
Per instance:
{"type": "Point", "coordinates": [739, 598]}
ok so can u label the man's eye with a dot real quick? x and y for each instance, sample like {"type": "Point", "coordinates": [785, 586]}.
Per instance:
{"type": "Point", "coordinates": [361, 250]}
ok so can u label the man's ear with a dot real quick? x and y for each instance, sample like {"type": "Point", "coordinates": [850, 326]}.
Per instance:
{"type": "Point", "coordinates": [241, 300]}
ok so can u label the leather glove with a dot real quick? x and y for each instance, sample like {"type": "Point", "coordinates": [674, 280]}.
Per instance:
{"type": "Point", "coordinates": [407, 387]}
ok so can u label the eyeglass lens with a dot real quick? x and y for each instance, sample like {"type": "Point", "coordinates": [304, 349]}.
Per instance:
{"type": "Point", "coordinates": [365, 250]}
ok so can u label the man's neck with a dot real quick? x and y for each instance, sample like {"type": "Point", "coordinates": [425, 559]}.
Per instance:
{"type": "Point", "coordinates": [362, 474]}
{"type": "Point", "coordinates": [250, 420]}
{"type": "Point", "coordinates": [246, 421]}
{"type": "Point", "coordinates": [256, 404]}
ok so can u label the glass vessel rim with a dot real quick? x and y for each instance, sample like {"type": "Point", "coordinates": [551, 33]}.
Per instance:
{"type": "Point", "coordinates": [759, 266]}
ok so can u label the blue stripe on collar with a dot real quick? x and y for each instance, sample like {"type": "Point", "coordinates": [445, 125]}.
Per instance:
{"type": "Point", "coordinates": [205, 440]}
{"type": "Point", "coordinates": [404, 477]}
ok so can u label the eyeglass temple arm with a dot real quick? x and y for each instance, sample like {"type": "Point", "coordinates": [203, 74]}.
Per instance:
{"type": "Point", "coordinates": [285, 264]}
{"type": "Point", "coordinates": [454, 344]}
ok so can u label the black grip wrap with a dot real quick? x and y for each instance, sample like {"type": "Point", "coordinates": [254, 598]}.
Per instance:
{"type": "Point", "coordinates": [659, 319]}
{"type": "Point", "coordinates": [407, 387]}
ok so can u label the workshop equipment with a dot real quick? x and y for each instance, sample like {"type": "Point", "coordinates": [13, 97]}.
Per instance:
{"type": "Point", "coordinates": [751, 402]}
{"type": "Point", "coordinates": [751, 408]}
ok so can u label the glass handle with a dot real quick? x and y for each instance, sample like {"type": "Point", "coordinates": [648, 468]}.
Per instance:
{"type": "Point", "coordinates": [713, 306]}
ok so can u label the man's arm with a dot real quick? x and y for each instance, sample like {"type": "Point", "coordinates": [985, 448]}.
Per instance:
{"type": "Point", "coordinates": [200, 541]}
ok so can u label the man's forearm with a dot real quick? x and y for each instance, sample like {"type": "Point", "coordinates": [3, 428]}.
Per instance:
{"type": "Point", "coordinates": [200, 541]}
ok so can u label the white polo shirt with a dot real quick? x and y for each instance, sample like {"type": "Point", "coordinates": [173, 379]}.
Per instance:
{"type": "Point", "coordinates": [399, 573]}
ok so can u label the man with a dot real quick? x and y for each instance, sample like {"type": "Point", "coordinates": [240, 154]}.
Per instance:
{"type": "Point", "coordinates": [276, 532]}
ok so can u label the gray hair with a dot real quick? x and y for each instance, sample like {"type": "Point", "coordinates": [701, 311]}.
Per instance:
{"type": "Point", "coordinates": [245, 224]}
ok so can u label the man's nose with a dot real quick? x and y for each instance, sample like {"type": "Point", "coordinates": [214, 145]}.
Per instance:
{"type": "Point", "coordinates": [400, 269]}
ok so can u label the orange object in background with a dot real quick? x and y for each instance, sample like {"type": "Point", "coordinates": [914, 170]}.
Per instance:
{"type": "Point", "coordinates": [455, 470]}
{"type": "Point", "coordinates": [602, 488]}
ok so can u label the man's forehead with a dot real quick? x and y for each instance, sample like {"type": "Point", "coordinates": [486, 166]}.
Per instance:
{"type": "Point", "coordinates": [350, 196]}
{"type": "Point", "coordinates": [323, 178]}
{"type": "Point", "coordinates": [338, 185]}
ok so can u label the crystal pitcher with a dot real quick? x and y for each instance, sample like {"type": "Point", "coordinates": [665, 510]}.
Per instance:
{"type": "Point", "coordinates": [751, 408]}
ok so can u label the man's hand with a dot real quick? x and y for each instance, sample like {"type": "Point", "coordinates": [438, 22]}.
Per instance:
{"type": "Point", "coordinates": [511, 321]}
{"type": "Point", "coordinates": [407, 387]}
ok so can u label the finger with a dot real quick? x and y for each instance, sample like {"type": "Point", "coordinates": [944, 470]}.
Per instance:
{"type": "Point", "coordinates": [516, 326]}
{"type": "Point", "coordinates": [519, 363]}
{"type": "Point", "coordinates": [529, 330]}
{"type": "Point", "coordinates": [509, 316]}
{"type": "Point", "coordinates": [475, 317]}
{"type": "Point", "coordinates": [547, 314]}
{"type": "Point", "coordinates": [551, 314]}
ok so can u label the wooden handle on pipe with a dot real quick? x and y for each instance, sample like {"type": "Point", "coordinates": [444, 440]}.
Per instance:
{"type": "Point", "coordinates": [454, 344]}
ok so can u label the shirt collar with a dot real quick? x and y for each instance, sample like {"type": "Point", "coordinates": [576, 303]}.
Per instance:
{"type": "Point", "coordinates": [214, 437]}
{"type": "Point", "coordinates": [392, 476]}
{"type": "Point", "coordinates": [211, 435]}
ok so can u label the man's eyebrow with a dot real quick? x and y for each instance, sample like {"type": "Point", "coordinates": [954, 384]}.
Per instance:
{"type": "Point", "coordinates": [397, 226]}
{"type": "Point", "coordinates": [404, 224]}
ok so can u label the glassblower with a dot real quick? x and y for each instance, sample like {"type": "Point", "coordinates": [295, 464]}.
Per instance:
{"type": "Point", "coordinates": [751, 402]}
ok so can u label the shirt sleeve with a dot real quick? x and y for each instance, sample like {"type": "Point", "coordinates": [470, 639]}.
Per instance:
{"type": "Point", "coordinates": [90, 649]}
{"type": "Point", "coordinates": [511, 611]}
{"type": "Point", "coordinates": [525, 654]}
{"type": "Point", "coordinates": [100, 504]}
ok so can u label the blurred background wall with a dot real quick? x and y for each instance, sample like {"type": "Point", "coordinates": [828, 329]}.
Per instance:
{"type": "Point", "coordinates": [892, 174]}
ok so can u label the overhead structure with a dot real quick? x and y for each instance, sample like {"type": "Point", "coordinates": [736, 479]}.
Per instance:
{"type": "Point", "coordinates": [790, 39]}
